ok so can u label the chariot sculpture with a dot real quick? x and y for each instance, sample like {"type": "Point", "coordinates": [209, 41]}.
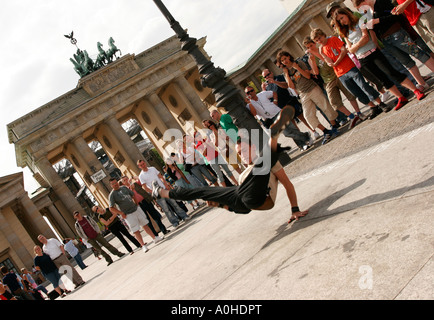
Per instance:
{"type": "Point", "coordinates": [84, 65]}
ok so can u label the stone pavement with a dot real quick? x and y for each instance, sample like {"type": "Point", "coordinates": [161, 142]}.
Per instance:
{"type": "Point", "coordinates": [369, 233]}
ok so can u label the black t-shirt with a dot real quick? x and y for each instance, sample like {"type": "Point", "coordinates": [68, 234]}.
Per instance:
{"type": "Point", "coordinates": [106, 216]}
{"type": "Point", "coordinates": [11, 281]}
{"type": "Point", "coordinates": [45, 263]}
{"type": "Point", "coordinates": [383, 11]}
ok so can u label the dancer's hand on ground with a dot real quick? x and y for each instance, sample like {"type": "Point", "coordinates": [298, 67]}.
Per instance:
{"type": "Point", "coordinates": [297, 215]}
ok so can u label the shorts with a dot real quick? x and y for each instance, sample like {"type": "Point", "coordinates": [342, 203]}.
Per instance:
{"type": "Point", "coordinates": [402, 47]}
{"type": "Point", "coordinates": [53, 277]}
{"type": "Point", "coordinates": [136, 219]}
{"type": "Point", "coordinates": [334, 89]}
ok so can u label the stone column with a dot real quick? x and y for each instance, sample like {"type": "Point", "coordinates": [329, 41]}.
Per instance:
{"type": "Point", "coordinates": [199, 109]}
{"type": "Point", "coordinates": [255, 81]}
{"type": "Point", "coordinates": [167, 117]}
{"type": "Point", "coordinates": [150, 121]}
{"type": "Point", "coordinates": [163, 111]}
{"type": "Point", "coordinates": [129, 146]}
{"type": "Point", "coordinates": [59, 222]}
{"type": "Point", "coordinates": [59, 187]}
{"type": "Point", "coordinates": [86, 164]}
{"type": "Point", "coordinates": [15, 242]}
{"type": "Point", "coordinates": [34, 217]}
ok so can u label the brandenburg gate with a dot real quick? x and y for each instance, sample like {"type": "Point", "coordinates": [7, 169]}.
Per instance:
{"type": "Point", "coordinates": [160, 88]}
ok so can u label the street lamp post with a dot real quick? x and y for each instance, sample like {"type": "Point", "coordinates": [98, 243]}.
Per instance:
{"type": "Point", "coordinates": [227, 96]}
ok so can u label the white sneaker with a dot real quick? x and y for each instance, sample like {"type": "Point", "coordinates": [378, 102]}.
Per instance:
{"type": "Point", "coordinates": [423, 88]}
{"type": "Point", "coordinates": [145, 248]}
{"type": "Point", "coordinates": [385, 96]}
{"type": "Point", "coordinates": [157, 239]}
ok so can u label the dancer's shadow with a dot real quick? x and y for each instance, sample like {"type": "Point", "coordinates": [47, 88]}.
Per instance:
{"type": "Point", "coordinates": [320, 210]}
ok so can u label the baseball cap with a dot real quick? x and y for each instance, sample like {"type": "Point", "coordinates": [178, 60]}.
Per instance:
{"type": "Point", "coordinates": [330, 6]}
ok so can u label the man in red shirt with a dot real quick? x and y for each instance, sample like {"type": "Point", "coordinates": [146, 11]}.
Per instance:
{"type": "Point", "coordinates": [89, 230]}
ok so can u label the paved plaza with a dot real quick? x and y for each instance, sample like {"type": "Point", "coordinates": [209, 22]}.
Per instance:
{"type": "Point", "coordinates": [368, 235]}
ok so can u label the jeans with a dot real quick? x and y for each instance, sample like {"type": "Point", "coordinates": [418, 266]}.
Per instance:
{"type": "Point", "coordinates": [218, 162]}
{"type": "Point", "coordinates": [356, 84]}
{"type": "Point", "coordinates": [169, 214]}
{"type": "Point", "coordinates": [199, 171]}
{"type": "Point", "coordinates": [378, 63]}
{"type": "Point", "coordinates": [300, 138]}
{"type": "Point", "coordinates": [79, 261]}
{"type": "Point", "coordinates": [402, 47]}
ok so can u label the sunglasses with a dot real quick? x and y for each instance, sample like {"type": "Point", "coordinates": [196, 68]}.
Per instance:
{"type": "Point", "coordinates": [267, 75]}
{"type": "Point", "coordinates": [250, 91]}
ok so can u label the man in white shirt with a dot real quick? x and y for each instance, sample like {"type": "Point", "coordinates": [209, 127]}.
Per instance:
{"type": "Point", "coordinates": [261, 106]}
{"type": "Point", "coordinates": [150, 174]}
{"type": "Point", "coordinates": [55, 250]}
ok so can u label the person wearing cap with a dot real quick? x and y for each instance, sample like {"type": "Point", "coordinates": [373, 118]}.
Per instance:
{"type": "Point", "coordinates": [331, 7]}
{"type": "Point", "coordinates": [88, 229]}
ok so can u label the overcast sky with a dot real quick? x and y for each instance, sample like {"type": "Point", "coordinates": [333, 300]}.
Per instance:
{"type": "Point", "coordinates": [34, 60]}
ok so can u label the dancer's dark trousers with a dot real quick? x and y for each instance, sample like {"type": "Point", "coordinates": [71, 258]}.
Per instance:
{"type": "Point", "coordinates": [250, 195]}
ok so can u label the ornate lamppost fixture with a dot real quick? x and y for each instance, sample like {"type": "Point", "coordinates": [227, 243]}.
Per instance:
{"type": "Point", "coordinates": [227, 96]}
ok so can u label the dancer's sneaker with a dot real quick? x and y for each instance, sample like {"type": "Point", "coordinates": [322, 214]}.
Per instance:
{"type": "Point", "coordinates": [284, 118]}
{"type": "Point", "coordinates": [156, 190]}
